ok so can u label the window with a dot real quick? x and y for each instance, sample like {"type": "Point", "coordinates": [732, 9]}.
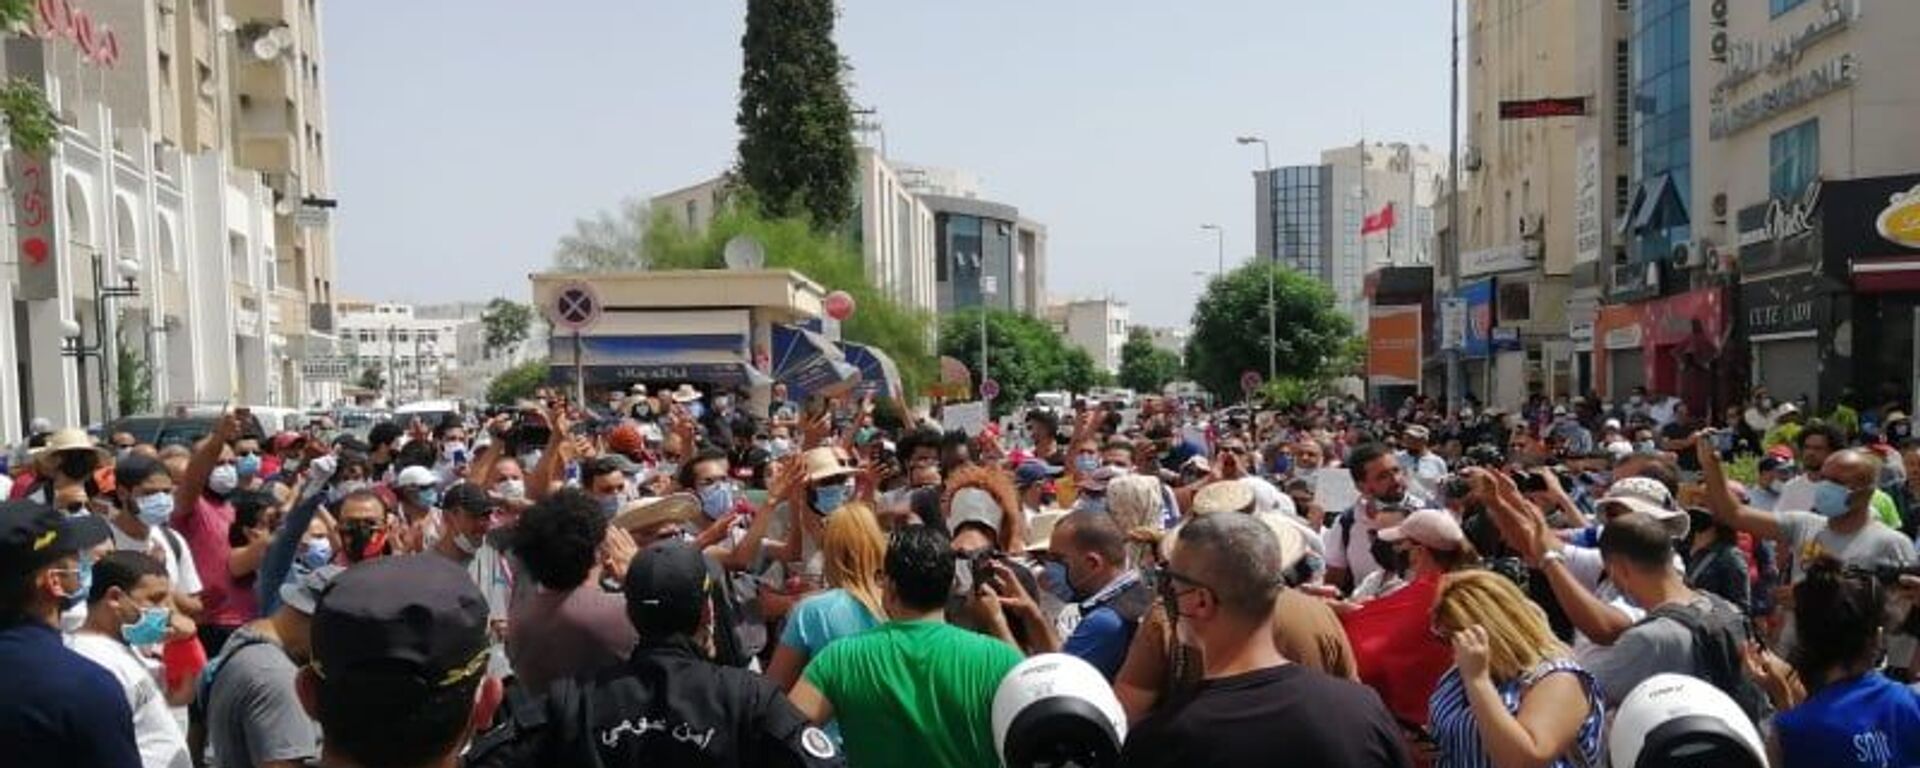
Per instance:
{"type": "Point", "coordinates": [1516, 302]}
{"type": "Point", "coordinates": [1793, 157]}
{"type": "Point", "coordinates": [1782, 6]}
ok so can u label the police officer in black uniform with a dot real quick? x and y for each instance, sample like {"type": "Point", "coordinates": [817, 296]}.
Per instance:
{"type": "Point", "coordinates": [670, 704]}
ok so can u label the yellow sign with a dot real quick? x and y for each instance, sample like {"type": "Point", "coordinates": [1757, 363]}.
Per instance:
{"type": "Point", "coordinates": [1899, 222]}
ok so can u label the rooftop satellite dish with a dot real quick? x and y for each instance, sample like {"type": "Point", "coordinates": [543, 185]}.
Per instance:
{"type": "Point", "coordinates": [282, 36]}
{"type": "Point", "coordinates": [265, 48]}
{"type": "Point", "coordinates": [744, 252]}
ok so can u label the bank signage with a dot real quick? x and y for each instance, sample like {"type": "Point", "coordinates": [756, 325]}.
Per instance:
{"type": "Point", "coordinates": [1781, 59]}
{"type": "Point", "coordinates": [1505, 258]}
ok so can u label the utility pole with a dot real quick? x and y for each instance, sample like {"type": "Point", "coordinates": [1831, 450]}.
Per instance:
{"type": "Point", "coordinates": [1454, 374]}
{"type": "Point", "coordinates": [1273, 255]}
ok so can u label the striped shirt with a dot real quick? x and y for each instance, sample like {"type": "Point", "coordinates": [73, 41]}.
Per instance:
{"type": "Point", "coordinates": [1458, 737]}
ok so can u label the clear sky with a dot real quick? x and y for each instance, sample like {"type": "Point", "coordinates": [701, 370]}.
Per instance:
{"type": "Point", "coordinates": [467, 135]}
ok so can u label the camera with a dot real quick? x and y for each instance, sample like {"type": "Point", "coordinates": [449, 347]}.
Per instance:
{"type": "Point", "coordinates": [1457, 487]}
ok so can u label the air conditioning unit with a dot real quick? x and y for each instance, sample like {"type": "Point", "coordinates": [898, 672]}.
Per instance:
{"type": "Point", "coordinates": [1720, 207]}
{"type": "Point", "coordinates": [1532, 224]}
{"type": "Point", "coordinates": [1470, 159]}
{"type": "Point", "coordinates": [1689, 255]}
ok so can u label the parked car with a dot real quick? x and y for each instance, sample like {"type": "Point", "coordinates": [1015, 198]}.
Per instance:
{"type": "Point", "coordinates": [180, 426]}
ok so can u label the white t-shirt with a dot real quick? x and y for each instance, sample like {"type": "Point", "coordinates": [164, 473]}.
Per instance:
{"type": "Point", "coordinates": [180, 569]}
{"type": "Point", "coordinates": [1267, 499]}
{"type": "Point", "coordinates": [1427, 471]}
{"type": "Point", "coordinates": [162, 743]}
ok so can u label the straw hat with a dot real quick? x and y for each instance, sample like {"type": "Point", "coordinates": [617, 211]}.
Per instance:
{"type": "Point", "coordinates": [647, 513]}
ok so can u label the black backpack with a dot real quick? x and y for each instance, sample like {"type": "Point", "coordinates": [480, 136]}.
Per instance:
{"type": "Point", "coordinates": [1716, 650]}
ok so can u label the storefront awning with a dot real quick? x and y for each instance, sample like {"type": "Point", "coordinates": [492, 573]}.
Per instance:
{"type": "Point", "coordinates": [736, 373]}
{"type": "Point", "coordinates": [808, 363]}
{"type": "Point", "coordinates": [878, 375]}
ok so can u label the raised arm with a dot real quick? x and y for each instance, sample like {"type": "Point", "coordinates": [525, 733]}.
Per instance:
{"type": "Point", "coordinates": [188, 488]}
{"type": "Point", "coordinates": [1726, 509]}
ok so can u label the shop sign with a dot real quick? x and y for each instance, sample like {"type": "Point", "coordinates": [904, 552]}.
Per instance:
{"type": "Point", "coordinates": [1780, 232]}
{"type": "Point", "coordinates": [1505, 258]}
{"type": "Point", "coordinates": [1506, 340]}
{"type": "Point", "coordinates": [1632, 282]}
{"type": "Point", "coordinates": [1588, 228]}
{"type": "Point", "coordinates": [1748, 58]}
{"type": "Point", "coordinates": [1580, 333]}
{"type": "Point", "coordinates": [1831, 75]}
{"type": "Point", "coordinates": [1623, 337]}
{"type": "Point", "coordinates": [1453, 323]}
{"type": "Point", "coordinates": [35, 248]}
{"type": "Point", "coordinates": [60, 20]}
{"type": "Point", "coordinates": [1899, 222]}
{"type": "Point", "coordinates": [1779, 306]}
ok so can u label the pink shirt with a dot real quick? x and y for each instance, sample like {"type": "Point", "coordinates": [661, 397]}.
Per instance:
{"type": "Point", "coordinates": [229, 601]}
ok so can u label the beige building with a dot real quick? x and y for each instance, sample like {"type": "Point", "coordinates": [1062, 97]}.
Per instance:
{"type": "Point", "coordinates": [1517, 191]}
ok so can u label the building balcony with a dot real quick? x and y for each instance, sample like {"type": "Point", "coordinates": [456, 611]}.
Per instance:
{"type": "Point", "coordinates": [268, 152]}
{"type": "Point", "coordinates": [266, 82]}
{"type": "Point", "coordinates": [270, 11]}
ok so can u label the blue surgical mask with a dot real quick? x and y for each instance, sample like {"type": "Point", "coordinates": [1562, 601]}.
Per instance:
{"type": "Point", "coordinates": [1086, 462]}
{"type": "Point", "coordinates": [154, 508]}
{"type": "Point", "coordinates": [247, 466]}
{"type": "Point", "coordinates": [828, 498]}
{"type": "Point", "coordinates": [85, 577]}
{"type": "Point", "coordinates": [1282, 464]}
{"type": "Point", "coordinates": [223, 480]}
{"type": "Point", "coordinates": [427, 497]}
{"type": "Point", "coordinates": [1053, 578]}
{"type": "Point", "coordinates": [1093, 503]}
{"type": "Point", "coordinates": [779, 447]}
{"type": "Point", "coordinates": [150, 629]}
{"type": "Point", "coordinates": [318, 553]}
{"type": "Point", "coordinates": [609, 505]}
{"type": "Point", "coordinates": [716, 500]}
{"type": "Point", "coordinates": [1830, 499]}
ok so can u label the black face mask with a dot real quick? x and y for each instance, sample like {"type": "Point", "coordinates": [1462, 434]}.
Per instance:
{"type": "Point", "coordinates": [78, 465]}
{"type": "Point", "coordinates": [1389, 558]}
{"type": "Point", "coordinates": [358, 540]}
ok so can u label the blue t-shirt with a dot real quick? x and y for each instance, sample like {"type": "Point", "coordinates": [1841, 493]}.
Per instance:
{"type": "Point", "coordinates": [824, 618]}
{"type": "Point", "coordinates": [1100, 639]}
{"type": "Point", "coordinates": [60, 708]}
{"type": "Point", "coordinates": [1867, 721]}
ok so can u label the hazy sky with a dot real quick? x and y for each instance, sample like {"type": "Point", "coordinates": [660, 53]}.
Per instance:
{"type": "Point", "coordinates": [467, 135]}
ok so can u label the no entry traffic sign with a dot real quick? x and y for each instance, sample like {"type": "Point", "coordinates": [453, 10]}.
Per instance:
{"type": "Point", "coordinates": [1250, 381]}
{"type": "Point", "coordinates": [575, 307]}
{"type": "Point", "coordinates": [989, 390]}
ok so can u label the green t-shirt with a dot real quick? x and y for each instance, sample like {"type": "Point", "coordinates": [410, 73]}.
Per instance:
{"type": "Point", "coordinates": [1885, 510]}
{"type": "Point", "coordinates": [915, 694]}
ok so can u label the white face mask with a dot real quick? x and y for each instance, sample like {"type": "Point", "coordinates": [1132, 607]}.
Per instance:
{"type": "Point", "coordinates": [467, 544]}
{"type": "Point", "coordinates": [511, 490]}
{"type": "Point", "coordinates": [223, 480]}
{"type": "Point", "coordinates": [72, 619]}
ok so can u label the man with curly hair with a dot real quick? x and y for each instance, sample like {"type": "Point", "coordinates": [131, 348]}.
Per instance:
{"type": "Point", "coordinates": [569, 626]}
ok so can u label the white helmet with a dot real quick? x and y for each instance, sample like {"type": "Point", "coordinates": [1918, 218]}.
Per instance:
{"type": "Point", "coordinates": [1057, 710]}
{"type": "Point", "coordinates": [1676, 720]}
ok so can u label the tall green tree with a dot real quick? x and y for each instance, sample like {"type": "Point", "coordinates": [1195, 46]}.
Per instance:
{"type": "Point", "coordinates": [506, 322]}
{"type": "Point", "coordinates": [31, 124]}
{"type": "Point", "coordinates": [827, 258]}
{"type": "Point", "coordinates": [610, 241]}
{"type": "Point", "coordinates": [517, 383]}
{"type": "Point", "coordinates": [1230, 328]}
{"type": "Point", "coordinates": [1023, 355]}
{"type": "Point", "coordinates": [373, 377]}
{"type": "Point", "coordinates": [1146, 368]}
{"type": "Point", "coordinates": [796, 122]}
{"type": "Point", "coordinates": [133, 389]}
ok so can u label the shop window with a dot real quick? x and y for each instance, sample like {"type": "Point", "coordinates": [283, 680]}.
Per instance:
{"type": "Point", "coordinates": [1516, 302]}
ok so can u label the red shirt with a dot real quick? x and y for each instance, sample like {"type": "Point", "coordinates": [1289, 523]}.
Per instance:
{"type": "Point", "coordinates": [1394, 646]}
{"type": "Point", "coordinates": [229, 601]}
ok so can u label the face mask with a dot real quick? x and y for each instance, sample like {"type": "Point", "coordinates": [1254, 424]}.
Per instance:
{"type": "Point", "coordinates": [828, 498]}
{"type": "Point", "coordinates": [668, 468]}
{"type": "Point", "coordinates": [1830, 499]}
{"type": "Point", "coordinates": [1644, 446]}
{"type": "Point", "coordinates": [529, 460]}
{"type": "Point", "coordinates": [363, 542]}
{"type": "Point", "coordinates": [1282, 464]}
{"type": "Point", "coordinates": [318, 554]}
{"type": "Point", "coordinates": [1086, 462]}
{"type": "Point", "coordinates": [154, 508]}
{"type": "Point", "coordinates": [455, 453]}
{"type": "Point", "coordinates": [779, 447]}
{"type": "Point", "coordinates": [427, 496]}
{"type": "Point", "coordinates": [73, 617]}
{"type": "Point", "coordinates": [1093, 504]}
{"type": "Point", "coordinates": [79, 596]}
{"type": "Point", "coordinates": [223, 480]}
{"type": "Point", "coordinates": [150, 629]}
{"type": "Point", "coordinates": [1053, 578]}
{"type": "Point", "coordinates": [722, 402]}
{"type": "Point", "coordinates": [467, 544]}
{"type": "Point", "coordinates": [511, 490]}
{"type": "Point", "coordinates": [1766, 403]}
{"type": "Point", "coordinates": [716, 500]}
{"type": "Point", "coordinates": [1388, 558]}
{"type": "Point", "coordinates": [247, 466]}
{"type": "Point", "coordinates": [609, 505]}
{"type": "Point", "coordinates": [345, 489]}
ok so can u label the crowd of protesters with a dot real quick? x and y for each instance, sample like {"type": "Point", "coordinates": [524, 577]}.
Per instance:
{"type": "Point", "coordinates": [684, 578]}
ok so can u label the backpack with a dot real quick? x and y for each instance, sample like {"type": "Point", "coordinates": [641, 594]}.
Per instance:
{"type": "Point", "coordinates": [1716, 650]}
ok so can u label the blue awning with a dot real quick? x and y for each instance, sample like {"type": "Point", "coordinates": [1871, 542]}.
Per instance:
{"type": "Point", "coordinates": [878, 375]}
{"type": "Point", "coordinates": [728, 374]}
{"type": "Point", "coordinates": [808, 363]}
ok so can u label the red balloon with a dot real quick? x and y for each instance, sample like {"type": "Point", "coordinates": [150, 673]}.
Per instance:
{"type": "Point", "coordinates": [839, 305]}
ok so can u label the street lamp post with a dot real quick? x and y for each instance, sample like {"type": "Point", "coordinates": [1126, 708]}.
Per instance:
{"type": "Point", "coordinates": [1273, 330]}
{"type": "Point", "coordinates": [1219, 247]}
{"type": "Point", "coordinates": [1455, 377]}
{"type": "Point", "coordinates": [74, 345]}
{"type": "Point", "coordinates": [988, 287]}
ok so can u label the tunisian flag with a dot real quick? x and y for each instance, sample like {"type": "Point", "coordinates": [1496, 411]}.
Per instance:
{"type": "Point", "coordinates": [1376, 222]}
{"type": "Point", "coordinates": [1394, 647]}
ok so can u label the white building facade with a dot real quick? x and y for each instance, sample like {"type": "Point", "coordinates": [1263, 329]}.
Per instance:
{"type": "Point", "coordinates": [1098, 326]}
{"type": "Point", "coordinates": [417, 358]}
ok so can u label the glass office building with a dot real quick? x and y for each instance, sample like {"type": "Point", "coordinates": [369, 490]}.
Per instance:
{"type": "Point", "coordinates": [1657, 218]}
{"type": "Point", "coordinates": [1294, 218]}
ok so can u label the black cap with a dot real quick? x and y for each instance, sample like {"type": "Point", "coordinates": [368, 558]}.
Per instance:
{"type": "Point", "coordinates": [667, 585]}
{"type": "Point", "coordinates": [467, 498]}
{"type": "Point", "coordinates": [415, 614]}
{"type": "Point", "coordinates": [33, 534]}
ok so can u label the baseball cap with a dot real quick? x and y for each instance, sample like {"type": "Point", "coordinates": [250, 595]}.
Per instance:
{"type": "Point", "coordinates": [666, 587]}
{"type": "Point", "coordinates": [1649, 497]}
{"type": "Point", "coordinates": [302, 591]}
{"type": "Point", "coordinates": [286, 440]}
{"type": "Point", "coordinates": [973, 506]}
{"type": "Point", "coordinates": [1416, 432]}
{"type": "Point", "coordinates": [33, 534]}
{"type": "Point", "coordinates": [416, 477]}
{"type": "Point", "coordinates": [1771, 462]}
{"type": "Point", "coordinates": [1430, 528]}
{"type": "Point", "coordinates": [421, 615]}
{"type": "Point", "coordinates": [1029, 472]}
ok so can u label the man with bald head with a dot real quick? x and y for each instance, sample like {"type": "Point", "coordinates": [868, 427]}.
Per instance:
{"type": "Point", "coordinates": [1840, 525]}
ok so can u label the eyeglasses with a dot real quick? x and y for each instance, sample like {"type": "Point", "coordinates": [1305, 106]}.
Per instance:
{"type": "Point", "coordinates": [1166, 581]}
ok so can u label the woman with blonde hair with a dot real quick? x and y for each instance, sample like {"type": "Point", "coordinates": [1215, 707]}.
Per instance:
{"type": "Point", "coordinates": [855, 553]}
{"type": "Point", "coordinates": [1514, 697]}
